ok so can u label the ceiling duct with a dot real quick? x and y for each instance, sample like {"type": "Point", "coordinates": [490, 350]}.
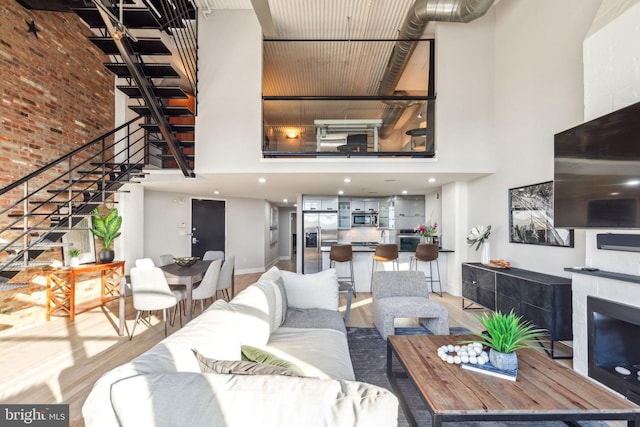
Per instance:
{"type": "Point", "coordinates": [414, 25]}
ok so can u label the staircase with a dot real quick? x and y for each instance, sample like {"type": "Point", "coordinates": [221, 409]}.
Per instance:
{"type": "Point", "coordinates": [54, 199]}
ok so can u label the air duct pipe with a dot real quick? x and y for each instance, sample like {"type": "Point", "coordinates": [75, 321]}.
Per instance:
{"type": "Point", "coordinates": [414, 25]}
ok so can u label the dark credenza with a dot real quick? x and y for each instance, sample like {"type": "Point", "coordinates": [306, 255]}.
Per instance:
{"type": "Point", "coordinates": [542, 299]}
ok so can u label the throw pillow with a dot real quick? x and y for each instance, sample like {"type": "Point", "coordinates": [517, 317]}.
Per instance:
{"type": "Point", "coordinates": [253, 354]}
{"type": "Point", "coordinates": [240, 367]}
{"type": "Point", "coordinates": [318, 290]}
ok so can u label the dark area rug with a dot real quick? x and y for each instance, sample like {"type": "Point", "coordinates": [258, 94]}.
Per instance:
{"type": "Point", "coordinates": [369, 358]}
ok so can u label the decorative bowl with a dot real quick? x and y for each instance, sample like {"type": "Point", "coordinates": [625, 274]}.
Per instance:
{"type": "Point", "coordinates": [185, 261]}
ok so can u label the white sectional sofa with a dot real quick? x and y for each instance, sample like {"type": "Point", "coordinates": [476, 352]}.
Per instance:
{"type": "Point", "coordinates": [294, 317]}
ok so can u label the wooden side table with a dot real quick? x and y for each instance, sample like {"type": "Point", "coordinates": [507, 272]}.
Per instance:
{"type": "Point", "coordinates": [61, 288]}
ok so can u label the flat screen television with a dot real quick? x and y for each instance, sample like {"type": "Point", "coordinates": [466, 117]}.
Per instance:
{"type": "Point", "coordinates": [597, 172]}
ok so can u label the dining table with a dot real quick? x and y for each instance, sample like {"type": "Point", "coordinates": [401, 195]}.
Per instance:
{"type": "Point", "coordinates": [187, 277]}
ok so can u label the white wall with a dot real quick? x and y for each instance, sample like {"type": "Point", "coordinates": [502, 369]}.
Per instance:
{"type": "Point", "coordinates": [464, 86]}
{"type": "Point", "coordinates": [538, 92]}
{"type": "Point", "coordinates": [164, 211]}
{"type": "Point", "coordinates": [130, 245]}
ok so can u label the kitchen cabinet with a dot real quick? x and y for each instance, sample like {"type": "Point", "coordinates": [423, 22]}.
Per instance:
{"type": "Point", "coordinates": [386, 211]}
{"type": "Point", "coordinates": [409, 212]}
{"type": "Point", "coordinates": [344, 214]}
{"type": "Point", "coordinates": [542, 299]}
{"type": "Point", "coordinates": [319, 203]}
{"type": "Point", "coordinates": [364, 205]}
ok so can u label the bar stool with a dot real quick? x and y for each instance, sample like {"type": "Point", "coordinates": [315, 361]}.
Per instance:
{"type": "Point", "coordinates": [427, 252]}
{"type": "Point", "coordinates": [386, 252]}
{"type": "Point", "coordinates": [344, 253]}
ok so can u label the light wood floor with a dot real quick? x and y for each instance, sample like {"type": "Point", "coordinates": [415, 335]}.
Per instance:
{"type": "Point", "coordinates": [58, 361]}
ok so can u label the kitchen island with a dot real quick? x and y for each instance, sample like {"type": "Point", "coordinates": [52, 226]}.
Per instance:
{"type": "Point", "coordinates": [363, 260]}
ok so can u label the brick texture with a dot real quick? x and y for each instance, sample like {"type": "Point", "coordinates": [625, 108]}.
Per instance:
{"type": "Point", "coordinates": [55, 96]}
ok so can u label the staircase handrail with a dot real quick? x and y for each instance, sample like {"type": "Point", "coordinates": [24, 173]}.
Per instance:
{"type": "Point", "coordinates": [45, 168]}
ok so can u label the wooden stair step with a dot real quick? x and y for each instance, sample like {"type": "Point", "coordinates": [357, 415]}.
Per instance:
{"type": "Point", "coordinates": [153, 70]}
{"type": "Point", "coordinates": [143, 46]}
{"type": "Point", "coordinates": [133, 17]}
{"type": "Point", "coordinates": [165, 92]}
{"type": "Point", "coordinates": [181, 142]}
{"type": "Point", "coordinates": [177, 127]}
{"type": "Point", "coordinates": [167, 110]}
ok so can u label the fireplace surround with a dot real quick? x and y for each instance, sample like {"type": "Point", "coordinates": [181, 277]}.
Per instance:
{"type": "Point", "coordinates": [613, 330]}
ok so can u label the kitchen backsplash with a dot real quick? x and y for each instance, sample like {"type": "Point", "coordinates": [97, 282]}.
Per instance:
{"type": "Point", "coordinates": [366, 234]}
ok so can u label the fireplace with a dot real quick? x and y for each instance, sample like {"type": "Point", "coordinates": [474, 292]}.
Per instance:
{"type": "Point", "coordinates": [613, 346]}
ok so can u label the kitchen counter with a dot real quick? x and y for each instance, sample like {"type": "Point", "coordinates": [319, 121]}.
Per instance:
{"type": "Point", "coordinates": [373, 248]}
{"type": "Point", "coordinates": [363, 262]}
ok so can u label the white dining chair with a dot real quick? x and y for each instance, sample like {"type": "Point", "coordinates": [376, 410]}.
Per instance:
{"type": "Point", "coordinates": [150, 292]}
{"type": "Point", "coordinates": [145, 263]}
{"type": "Point", "coordinates": [226, 276]}
{"type": "Point", "coordinates": [213, 255]}
{"type": "Point", "coordinates": [208, 285]}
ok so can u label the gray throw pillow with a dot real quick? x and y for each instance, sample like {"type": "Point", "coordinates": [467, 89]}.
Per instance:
{"type": "Point", "coordinates": [240, 367]}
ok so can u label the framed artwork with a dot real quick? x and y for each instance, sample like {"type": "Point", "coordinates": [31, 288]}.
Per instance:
{"type": "Point", "coordinates": [81, 239]}
{"type": "Point", "coordinates": [531, 217]}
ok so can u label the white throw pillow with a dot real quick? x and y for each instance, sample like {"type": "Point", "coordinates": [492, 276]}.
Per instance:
{"type": "Point", "coordinates": [318, 290]}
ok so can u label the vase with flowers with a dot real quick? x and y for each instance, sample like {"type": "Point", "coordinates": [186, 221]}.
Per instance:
{"type": "Point", "coordinates": [427, 231]}
{"type": "Point", "coordinates": [479, 237]}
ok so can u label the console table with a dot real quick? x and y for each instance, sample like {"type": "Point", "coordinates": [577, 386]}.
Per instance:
{"type": "Point", "coordinates": [542, 299]}
{"type": "Point", "coordinates": [61, 287]}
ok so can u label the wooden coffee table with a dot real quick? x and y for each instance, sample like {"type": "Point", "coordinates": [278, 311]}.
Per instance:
{"type": "Point", "coordinates": [544, 390]}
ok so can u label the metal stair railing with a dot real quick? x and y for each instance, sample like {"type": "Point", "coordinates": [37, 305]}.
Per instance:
{"type": "Point", "coordinates": [113, 26]}
{"type": "Point", "coordinates": [73, 184]}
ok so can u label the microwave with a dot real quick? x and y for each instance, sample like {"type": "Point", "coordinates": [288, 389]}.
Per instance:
{"type": "Point", "coordinates": [364, 220]}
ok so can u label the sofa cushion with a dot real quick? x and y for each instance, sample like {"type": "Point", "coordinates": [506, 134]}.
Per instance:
{"type": "Point", "coordinates": [240, 367]}
{"type": "Point", "coordinates": [258, 355]}
{"type": "Point", "coordinates": [320, 353]}
{"type": "Point", "coordinates": [213, 333]}
{"type": "Point", "coordinates": [317, 318]}
{"type": "Point", "coordinates": [195, 399]}
{"type": "Point", "coordinates": [253, 316]}
{"type": "Point", "coordinates": [274, 276]}
{"type": "Point", "coordinates": [318, 290]}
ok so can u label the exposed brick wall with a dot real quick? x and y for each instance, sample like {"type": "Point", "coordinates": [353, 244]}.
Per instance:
{"type": "Point", "coordinates": [55, 94]}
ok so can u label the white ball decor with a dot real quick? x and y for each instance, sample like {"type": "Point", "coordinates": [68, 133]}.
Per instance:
{"type": "Point", "coordinates": [469, 353]}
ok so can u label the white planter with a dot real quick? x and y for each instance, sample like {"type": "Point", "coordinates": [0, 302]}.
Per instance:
{"type": "Point", "coordinates": [486, 253]}
{"type": "Point", "coordinates": [74, 262]}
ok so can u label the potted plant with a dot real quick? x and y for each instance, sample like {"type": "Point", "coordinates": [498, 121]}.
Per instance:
{"type": "Point", "coordinates": [75, 261]}
{"type": "Point", "coordinates": [106, 227]}
{"type": "Point", "coordinates": [504, 335]}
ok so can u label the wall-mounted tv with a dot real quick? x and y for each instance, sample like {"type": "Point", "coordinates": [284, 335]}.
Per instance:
{"type": "Point", "coordinates": [597, 172]}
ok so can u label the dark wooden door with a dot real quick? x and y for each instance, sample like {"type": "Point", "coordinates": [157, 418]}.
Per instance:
{"type": "Point", "coordinates": [207, 226]}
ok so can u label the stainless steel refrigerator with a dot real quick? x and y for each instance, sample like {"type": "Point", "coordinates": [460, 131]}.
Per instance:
{"type": "Point", "coordinates": [320, 229]}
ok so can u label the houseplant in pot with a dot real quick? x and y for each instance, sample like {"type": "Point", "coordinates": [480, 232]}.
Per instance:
{"type": "Point", "coordinates": [504, 335]}
{"type": "Point", "coordinates": [106, 227]}
{"type": "Point", "coordinates": [74, 261]}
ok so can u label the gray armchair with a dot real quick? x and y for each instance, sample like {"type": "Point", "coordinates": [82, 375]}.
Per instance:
{"type": "Point", "coordinates": [405, 294]}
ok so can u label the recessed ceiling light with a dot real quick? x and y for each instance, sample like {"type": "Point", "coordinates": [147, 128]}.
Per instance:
{"type": "Point", "coordinates": [216, 192]}
{"type": "Point", "coordinates": [262, 180]}
{"type": "Point", "coordinates": [432, 180]}
{"type": "Point", "coordinates": [614, 194]}
{"type": "Point", "coordinates": [285, 200]}
{"type": "Point", "coordinates": [347, 180]}
{"type": "Point", "coordinates": [340, 192]}
{"type": "Point", "coordinates": [404, 191]}
{"type": "Point", "coordinates": [632, 182]}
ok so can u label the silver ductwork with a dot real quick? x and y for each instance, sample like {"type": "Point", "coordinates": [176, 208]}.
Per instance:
{"type": "Point", "coordinates": [414, 25]}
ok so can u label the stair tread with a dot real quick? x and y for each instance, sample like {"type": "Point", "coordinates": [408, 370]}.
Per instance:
{"type": "Point", "coordinates": [181, 142]}
{"type": "Point", "coordinates": [171, 110]}
{"type": "Point", "coordinates": [178, 127]}
{"type": "Point", "coordinates": [133, 17]}
{"type": "Point", "coordinates": [154, 70]}
{"type": "Point", "coordinates": [159, 91]}
{"type": "Point", "coordinates": [144, 46]}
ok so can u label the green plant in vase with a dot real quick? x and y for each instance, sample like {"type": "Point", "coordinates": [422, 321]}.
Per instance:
{"type": "Point", "coordinates": [504, 335]}
{"type": "Point", "coordinates": [106, 227]}
{"type": "Point", "coordinates": [74, 261]}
